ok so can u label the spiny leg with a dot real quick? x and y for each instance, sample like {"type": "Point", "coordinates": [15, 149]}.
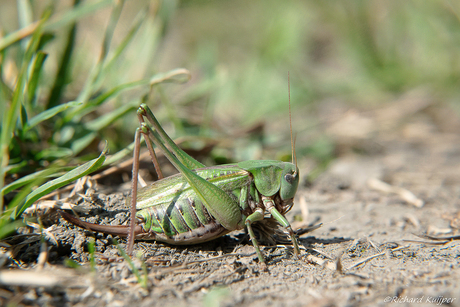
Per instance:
{"type": "Point", "coordinates": [184, 158]}
{"type": "Point", "coordinates": [270, 205]}
{"type": "Point", "coordinates": [257, 215]}
{"type": "Point", "coordinates": [135, 175]}
{"type": "Point", "coordinates": [150, 147]}
{"type": "Point", "coordinates": [132, 224]}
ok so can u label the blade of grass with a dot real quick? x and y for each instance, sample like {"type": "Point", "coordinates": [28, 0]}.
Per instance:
{"type": "Point", "coordinates": [140, 18]}
{"type": "Point", "coordinates": [107, 119]}
{"type": "Point", "coordinates": [23, 115]}
{"type": "Point", "coordinates": [40, 58]}
{"type": "Point", "coordinates": [50, 113]}
{"type": "Point", "coordinates": [52, 185]}
{"type": "Point", "coordinates": [91, 251]}
{"type": "Point", "coordinates": [24, 17]}
{"type": "Point", "coordinates": [11, 113]}
{"type": "Point", "coordinates": [174, 75]}
{"type": "Point", "coordinates": [7, 222]}
{"type": "Point", "coordinates": [7, 226]}
{"type": "Point", "coordinates": [64, 65]}
{"type": "Point", "coordinates": [14, 168]}
{"type": "Point", "coordinates": [121, 154]}
{"type": "Point", "coordinates": [32, 177]}
{"type": "Point", "coordinates": [79, 144]}
{"type": "Point", "coordinates": [53, 153]}
{"type": "Point", "coordinates": [74, 14]}
{"type": "Point", "coordinates": [90, 85]}
{"type": "Point", "coordinates": [108, 35]}
{"type": "Point", "coordinates": [70, 263]}
{"type": "Point", "coordinates": [25, 191]}
{"type": "Point", "coordinates": [108, 64]}
{"type": "Point", "coordinates": [57, 22]}
{"type": "Point", "coordinates": [142, 281]}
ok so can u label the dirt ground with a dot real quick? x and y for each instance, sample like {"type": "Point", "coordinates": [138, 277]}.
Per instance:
{"type": "Point", "coordinates": [397, 175]}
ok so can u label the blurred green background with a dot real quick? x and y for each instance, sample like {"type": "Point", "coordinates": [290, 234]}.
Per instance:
{"type": "Point", "coordinates": [99, 58]}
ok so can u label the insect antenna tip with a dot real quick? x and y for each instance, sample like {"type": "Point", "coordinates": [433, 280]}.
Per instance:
{"type": "Point", "coordinates": [294, 158]}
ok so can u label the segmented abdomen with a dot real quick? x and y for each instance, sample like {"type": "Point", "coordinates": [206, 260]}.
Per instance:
{"type": "Point", "coordinates": [185, 221]}
{"type": "Point", "coordinates": [172, 212]}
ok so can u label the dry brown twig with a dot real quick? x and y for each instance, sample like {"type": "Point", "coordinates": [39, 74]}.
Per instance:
{"type": "Point", "coordinates": [374, 256]}
{"type": "Point", "coordinates": [405, 194]}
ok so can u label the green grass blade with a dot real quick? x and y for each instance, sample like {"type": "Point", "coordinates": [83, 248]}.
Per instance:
{"type": "Point", "coordinates": [121, 154]}
{"type": "Point", "coordinates": [53, 153]}
{"type": "Point", "coordinates": [127, 40]}
{"type": "Point", "coordinates": [40, 58]}
{"type": "Point", "coordinates": [107, 119]}
{"type": "Point", "coordinates": [7, 226]}
{"type": "Point", "coordinates": [18, 95]}
{"type": "Point", "coordinates": [74, 14]}
{"type": "Point", "coordinates": [179, 75]}
{"type": "Point", "coordinates": [64, 66]}
{"type": "Point", "coordinates": [11, 114]}
{"type": "Point", "coordinates": [91, 251]}
{"type": "Point", "coordinates": [142, 281]}
{"type": "Point", "coordinates": [50, 113]}
{"type": "Point", "coordinates": [94, 79]}
{"type": "Point", "coordinates": [52, 185]}
{"type": "Point", "coordinates": [55, 23]}
{"type": "Point", "coordinates": [25, 17]}
{"type": "Point", "coordinates": [18, 35]}
{"type": "Point", "coordinates": [79, 144]}
{"type": "Point", "coordinates": [25, 191]}
{"type": "Point", "coordinates": [30, 178]}
{"type": "Point", "coordinates": [14, 168]}
{"type": "Point", "coordinates": [23, 117]}
{"type": "Point", "coordinates": [70, 263]}
{"type": "Point", "coordinates": [108, 35]}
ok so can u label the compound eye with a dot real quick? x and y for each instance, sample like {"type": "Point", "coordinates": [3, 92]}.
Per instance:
{"type": "Point", "coordinates": [289, 178]}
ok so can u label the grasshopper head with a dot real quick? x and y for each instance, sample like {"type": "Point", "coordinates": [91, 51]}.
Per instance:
{"type": "Point", "coordinates": [289, 181]}
{"type": "Point", "coordinates": [274, 177]}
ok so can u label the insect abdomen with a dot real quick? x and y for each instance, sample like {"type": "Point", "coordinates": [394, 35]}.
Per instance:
{"type": "Point", "coordinates": [172, 212]}
{"type": "Point", "coordinates": [186, 221]}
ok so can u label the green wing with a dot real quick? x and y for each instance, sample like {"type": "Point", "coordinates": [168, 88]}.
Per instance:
{"type": "Point", "coordinates": [226, 177]}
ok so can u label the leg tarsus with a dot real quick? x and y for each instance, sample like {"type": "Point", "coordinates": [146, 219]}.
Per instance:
{"type": "Point", "coordinates": [258, 215]}
{"type": "Point", "coordinates": [294, 241]}
{"type": "Point", "coordinates": [282, 220]}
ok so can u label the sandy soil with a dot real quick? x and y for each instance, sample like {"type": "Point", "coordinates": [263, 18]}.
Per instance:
{"type": "Point", "coordinates": [405, 180]}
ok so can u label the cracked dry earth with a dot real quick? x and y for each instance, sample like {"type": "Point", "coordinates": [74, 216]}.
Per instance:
{"type": "Point", "coordinates": [366, 253]}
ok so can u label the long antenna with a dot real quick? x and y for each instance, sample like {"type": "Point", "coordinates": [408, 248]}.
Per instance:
{"type": "Point", "coordinates": [294, 158]}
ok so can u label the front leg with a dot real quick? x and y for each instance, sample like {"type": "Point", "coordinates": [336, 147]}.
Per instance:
{"type": "Point", "coordinates": [270, 206]}
{"type": "Point", "coordinates": [257, 215]}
